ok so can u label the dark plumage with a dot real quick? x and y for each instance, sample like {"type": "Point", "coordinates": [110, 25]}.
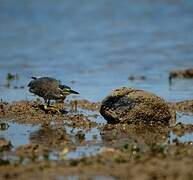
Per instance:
{"type": "Point", "coordinates": [49, 89]}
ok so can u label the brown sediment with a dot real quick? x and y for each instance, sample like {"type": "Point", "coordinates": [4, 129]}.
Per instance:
{"type": "Point", "coordinates": [183, 106]}
{"type": "Point", "coordinates": [31, 151]}
{"type": "Point", "coordinates": [87, 105]}
{"type": "Point", "coordinates": [30, 112]}
{"type": "Point", "coordinates": [25, 112]}
{"type": "Point", "coordinates": [180, 129]}
{"type": "Point", "coordinates": [155, 163]}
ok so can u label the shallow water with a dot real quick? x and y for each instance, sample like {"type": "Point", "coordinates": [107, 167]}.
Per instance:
{"type": "Point", "coordinates": [186, 119]}
{"type": "Point", "coordinates": [94, 46]}
{"type": "Point", "coordinates": [21, 134]}
{"type": "Point", "coordinates": [97, 44]}
{"type": "Point", "coordinates": [18, 134]}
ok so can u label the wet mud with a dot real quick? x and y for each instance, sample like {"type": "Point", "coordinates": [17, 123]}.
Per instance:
{"type": "Point", "coordinates": [73, 145]}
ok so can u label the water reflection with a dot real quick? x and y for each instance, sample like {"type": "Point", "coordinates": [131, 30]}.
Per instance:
{"type": "Point", "coordinates": [142, 134]}
{"type": "Point", "coordinates": [49, 136]}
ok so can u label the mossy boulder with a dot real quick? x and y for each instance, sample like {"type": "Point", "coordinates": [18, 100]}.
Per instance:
{"type": "Point", "coordinates": [128, 105]}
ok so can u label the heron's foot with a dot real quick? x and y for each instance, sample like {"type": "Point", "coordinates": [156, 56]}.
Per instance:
{"type": "Point", "coordinates": [51, 109]}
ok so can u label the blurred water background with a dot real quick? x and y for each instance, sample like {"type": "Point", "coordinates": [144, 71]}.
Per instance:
{"type": "Point", "coordinates": [94, 46]}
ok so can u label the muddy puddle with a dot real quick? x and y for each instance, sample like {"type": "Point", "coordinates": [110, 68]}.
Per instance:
{"type": "Point", "coordinates": [84, 141]}
{"type": "Point", "coordinates": [18, 134]}
{"type": "Point", "coordinates": [185, 119]}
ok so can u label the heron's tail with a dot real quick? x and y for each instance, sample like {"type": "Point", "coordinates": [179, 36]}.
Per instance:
{"type": "Point", "coordinates": [68, 91]}
{"type": "Point", "coordinates": [73, 92]}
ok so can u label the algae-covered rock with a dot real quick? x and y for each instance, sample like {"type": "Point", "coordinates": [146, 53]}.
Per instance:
{"type": "Point", "coordinates": [127, 105]}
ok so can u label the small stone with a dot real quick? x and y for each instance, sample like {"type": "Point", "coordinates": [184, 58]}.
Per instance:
{"type": "Point", "coordinates": [3, 126]}
{"type": "Point", "coordinates": [5, 144]}
{"type": "Point", "coordinates": [106, 150]}
{"type": "Point", "coordinates": [186, 73]}
{"type": "Point", "coordinates": [80, 136]}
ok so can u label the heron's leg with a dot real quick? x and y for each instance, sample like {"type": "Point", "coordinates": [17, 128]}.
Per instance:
{"type": "Point", "coordinates": [45, 101]}
{"type": "Point", "coordinates": [48, 103]}
{"type": "Point", "coordinates": [48, 107]}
